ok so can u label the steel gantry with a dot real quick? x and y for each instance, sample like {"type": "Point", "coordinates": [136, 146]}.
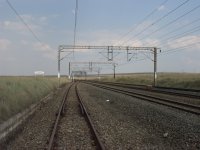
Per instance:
{"type": "Point", "coordinates": [110, 49]}
{"type": "Point", "coordinates": [91, 65]}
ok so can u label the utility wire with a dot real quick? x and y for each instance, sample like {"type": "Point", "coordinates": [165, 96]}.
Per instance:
{"type": "Point", "coordinates": [180, 28]}
{"type": "Point", "coordinates": [180, 48]}
{"type": "Point", "coordinates": [146, 17]}
{"type": "Point", "coordinates": [22, 20]}
{"type": "Point", "coordinates": [188, 32]}
{"type": "Point", "coordinates": [158, 20]}
{"type": "Point", "coordinates": [175, 37]}
{"type": "Point", "coordinates": [171, 22]}
{"type": "Point", "coordinates": [169, 51]}
{"type": "Point", "coordinates": [184, 33]}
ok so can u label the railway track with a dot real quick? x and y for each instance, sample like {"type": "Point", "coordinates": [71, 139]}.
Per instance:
{"type": "Point", "coordinates": [73, 128]}
{"type": "Point", "coordinates": [190, 93]}
{"type": "Point", "coordinates": [195, 109]}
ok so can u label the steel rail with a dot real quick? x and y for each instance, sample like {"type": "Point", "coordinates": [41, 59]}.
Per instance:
{"type": "Point", "coordinates": [98, 142]}
{"type": "Point", "coordinates": [60, 111]}
{"type": "Point", "coordinates": [174, 104]}
{"type": "Point", "coordinates": [166, 90]}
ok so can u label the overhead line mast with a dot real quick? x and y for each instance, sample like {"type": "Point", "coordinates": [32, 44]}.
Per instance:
{"type": "Point", "coordinates": [67, 48]}
{"type": "Point", "coordinates": [75, 24]}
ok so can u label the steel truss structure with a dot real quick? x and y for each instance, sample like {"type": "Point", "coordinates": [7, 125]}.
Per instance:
{"type": "Point", "coordinates": [110, 49]}
{"type": "Point", "coordinates": [91, 66]}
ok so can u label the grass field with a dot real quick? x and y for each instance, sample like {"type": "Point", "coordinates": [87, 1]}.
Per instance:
{"type": "Point", "coordinates": [17, 93]}
{"type": "Point", "coordinates": [179, 80]}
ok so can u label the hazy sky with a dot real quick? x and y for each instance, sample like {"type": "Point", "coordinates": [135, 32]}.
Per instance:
{"type": "Point", "coordinates": [160, 23]}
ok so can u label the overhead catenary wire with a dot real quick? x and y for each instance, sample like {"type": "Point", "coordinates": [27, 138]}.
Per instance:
{"type": "Point", "coordinates": [186, 33]}
{"type": "Point", "coordinates": [22, 20]}
{"type": "Point", "coordinates": [180, 47]}
{"type": "Point", "coordinates": [172, 50]}
{"type": "Point", "coordinates": [197, 28]}
{"type": "Point", "coordinates": [157, 21]}
{"type": "Point", "coordinates": [178, 28]}
{"type": "Point", "coordinates": [143, 20]}
{"type": "Point", "coordinates": [169, 51]}
{"type": "Point", "coordinates": [177, 36]}
{"type": "Point", "coordinates": [171, 22]}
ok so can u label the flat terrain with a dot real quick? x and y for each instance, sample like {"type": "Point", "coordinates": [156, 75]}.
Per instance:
{"type": "Point", "coordinates": [130, 123]}
{"type": "Point", "coordinates": [122, 122]}
{"type": "Point", "coordinates": [178, 80]}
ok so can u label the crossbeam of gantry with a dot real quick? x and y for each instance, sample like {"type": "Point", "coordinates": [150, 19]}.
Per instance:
{"type": "Point", "coordinates": [110, 49]}
{"type": "Point", "coordinates": [62, 47]}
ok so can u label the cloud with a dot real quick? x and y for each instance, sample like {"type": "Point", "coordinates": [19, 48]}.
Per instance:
{"type": "Point", "coordinates": [162, 7]}
{"type": "Point", "coordinates": [17, 26]}
{"type": "Point", "coordinates": [32, 20]}
{"type": "Point", "coordinates": [27, 17]}
{"type": "Point", "coordinates": [185, 41]}
{"type": "Point", "coordinates": [24, 42]}
{"type": "Point", "coordinates": [54, 16]}
{"type": "Point", "coordinates": [43, 19]}
{"type": "Point", "coordinates": [46, 50]}
{"type": "Point", "coordinates": [12, 25]}
{"type": "Point", "coordinates": [35, 23]}
{"type": "Point", "coordinates": [4, 44]}
{"type": "Point", "coordinates": [151, 42]}
{"type": "Point", "coordinates": [99, 37]}
{"type": "Point", "coordinates": [134, 42]}
{"type": "Point", "coordinates": [108, 38]}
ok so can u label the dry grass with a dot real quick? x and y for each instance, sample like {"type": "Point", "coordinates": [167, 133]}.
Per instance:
{"type": "Point", "coordinates": [179, 80]}
{"type": "Point", "coordinates": [17, 93]}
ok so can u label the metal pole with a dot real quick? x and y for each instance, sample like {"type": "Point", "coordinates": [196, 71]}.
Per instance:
{"type": "Point", "coordinates": [69, 70]}
{"type": "Point", "coordinates": [114, 71]}
{"type": "Point", "coordinates": [155, 66]}
{"type": "Point", "coordinates": [75, 24]}
{"type": "Point", "coordinates": [127, 55]}
{"type": "Point", "coordinates": [98, 73]}
{"type": "Point", "coordinates": [58, 67]}
{"type": "Point", "coordinates": [108, 53]}
{"type": "Point", "coordinates": [59, 63]}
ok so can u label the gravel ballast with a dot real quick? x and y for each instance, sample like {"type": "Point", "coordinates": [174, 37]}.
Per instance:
{"type": "Point", "coordinates": [73, 131]}
{"type": "Point", "coordinates": [124, 122]}
{"type": "Point", "coordinates": [186, 100]}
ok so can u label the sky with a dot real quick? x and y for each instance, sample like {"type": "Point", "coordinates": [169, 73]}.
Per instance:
{"type": "Point", "coordinates": [31, 43]}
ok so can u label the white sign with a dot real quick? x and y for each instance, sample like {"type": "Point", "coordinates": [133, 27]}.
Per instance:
{"type": "Point", "coordinates": [39, 73]}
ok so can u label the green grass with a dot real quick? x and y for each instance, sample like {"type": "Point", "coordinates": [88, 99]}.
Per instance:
{"type": "Point", "coordinates": [178, 80]}
{"type": "Point", "coordinates": [17, 93]}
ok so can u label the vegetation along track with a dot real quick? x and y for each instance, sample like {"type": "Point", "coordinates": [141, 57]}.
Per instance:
{"type": "Point", "coordinates": [195, 109]}
{"type": "Point", "coordinates": [71, 130]}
